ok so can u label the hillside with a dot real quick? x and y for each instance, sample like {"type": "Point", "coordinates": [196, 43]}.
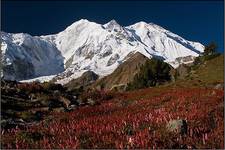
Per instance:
{"type": "Point", "coordinates": [207, 74]}
{"type": "Point", "coordinates": [123, 74]}
{"type": "Point", "coordinates": [83, 81]}
{"type": "Point", "coordinates": [186, 113]}
{"type": "Point", "coordinates": [211, 71]}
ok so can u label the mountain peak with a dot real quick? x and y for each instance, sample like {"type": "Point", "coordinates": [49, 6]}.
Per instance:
{"type": "Point", "coordinates": [82, 21]}
{"type": "Point", "coordinates": [143, 23]}
{"type": "Point", "coordinates": [111, 25]}
{"type": "Point", "coordinates": [112, 22]}
{"type": "Point", "coordinates": [79, 22]}
{"type": "Point", "coordinates": [87, 45]}
{"type": "Point", "coordinates": [140, 24]}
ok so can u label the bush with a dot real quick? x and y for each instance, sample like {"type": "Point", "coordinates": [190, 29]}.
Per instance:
{"type": "Point", "coordinates": [201, 59]}
{"type": "Point", "coordinates": [96, 95]}
{"type": "Point", "coordinates": [48, 86]}
{"type": "Point", "coordinates": [152, 73]}
{"type": "Point", "coordinates": [44, 100]}
{"type": "Point", "coordinates": [29, 87]}
{"type": "Point", "coordinates": [210, 49]}
{"type": "Point", "coordinates": [27, 116]}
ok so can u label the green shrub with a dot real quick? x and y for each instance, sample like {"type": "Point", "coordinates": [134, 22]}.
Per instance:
{"type": "Point", "coordinates": [210, 49]}
{"type": "Point", "coordinates": [202, 59]}
{"type": "Point", "coordinates": [45, 100]}
{"type": "Point", "coordinates": [96, 95]}
{"type": "Point", "coordinates": [49, 86]}
{"type": "Point", "coordinates": [27, 116]}
{"type": "Point", "coordinates": [152, 73]}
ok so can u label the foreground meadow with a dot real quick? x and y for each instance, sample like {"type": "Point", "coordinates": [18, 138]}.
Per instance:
{"type": "Point", "coordinates": [166, 117]}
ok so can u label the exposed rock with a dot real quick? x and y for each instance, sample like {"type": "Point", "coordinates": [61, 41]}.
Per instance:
{"type": "Point", "coordinates": [113, 59]}
{"type": "Point", "coordinates": [107, 52]}
{"type": "Point", "coordinates": [80, 102]}
{"type": "Point", "coordinates": [219, 86]}
{"type": "Point", "coordinates": [186, 59]}
{"type": "Point", "coordinates": [59, 109]}
{"type": "Point", "coordinates": [179, 126]}
{"type": "Point", "coordinates": [26, 57]}
{"type": "Point", "coordinates": [72, 107]}
{"type": "Point", "coordinates": [65, 101]}
{"type": "Point", "coordinates": [87, 78]}
{"type": "Point", "coordinates": [91, 101]}
{"type": "Point", "coordinates": [120, 87]}
{"type": "Point", "coordinates": [18, 70]}
{"type": "Point", "coordinates": [182, 71]}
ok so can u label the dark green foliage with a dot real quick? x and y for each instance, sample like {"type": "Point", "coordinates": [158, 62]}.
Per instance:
{"type": "Point", "coordinates": [201, 59]}
{"type": "Point", "coordinates": [96, 95]}
{"type": "Point", "coordinates": [210, 52]}
{"type": "Point", "coordinates": [152, 73]}
{"type": "Point", "coordinates": [210, 49]}
{"type": "Point", "coordinates": [48, 86]}
{"type": "Point", "coordinates": [27, 116]}
{"type": "Point", "coordinates": [214, 55]}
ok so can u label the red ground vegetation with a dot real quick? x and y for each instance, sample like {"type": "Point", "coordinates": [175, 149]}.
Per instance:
{"type": "Point", "coordinates": [135, 119]}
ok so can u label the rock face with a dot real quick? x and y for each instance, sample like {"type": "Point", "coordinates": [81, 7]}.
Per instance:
{"type": "Point", "coordinates": [182, 71]}
{"type": "Point", "coordinates": [89, 46]}
{"type": "Point", "coordinates": [19, 70]}
{"type": "Point", "coordinates": [179, 126]}
{"type": "Point", "coordinates": [86, 79]}
{"type": "Point", "coordinates": [26, 57]}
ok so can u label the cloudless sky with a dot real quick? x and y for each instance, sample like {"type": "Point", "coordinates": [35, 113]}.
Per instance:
{"type": "Point", "coordinates": [201, 21]}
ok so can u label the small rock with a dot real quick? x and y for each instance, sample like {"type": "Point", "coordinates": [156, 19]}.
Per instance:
{"type": "Point", "coordinates": [60, 109]}
{"type": "Point", "coordinates": [65, 101]}
{"type": "Point", "coordinates": [179, 126]}
{"type": "Point", "coordinates": [219, 86]}
{"type": "Point", "coordinates": [91, 102]}
{"type": "Point", "coordinates": [80, 102]}
{"type": "Point", "coordinates": [72, 107]}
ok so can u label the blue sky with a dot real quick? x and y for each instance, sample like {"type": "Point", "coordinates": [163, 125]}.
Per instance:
{"type": "Point", "coordinates": [200, 21]}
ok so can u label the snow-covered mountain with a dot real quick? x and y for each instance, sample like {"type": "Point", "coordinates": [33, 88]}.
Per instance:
{"type": "Point", "coordinates": [89, 46]}
{"type": "Point", "coordinates": [27, 57]}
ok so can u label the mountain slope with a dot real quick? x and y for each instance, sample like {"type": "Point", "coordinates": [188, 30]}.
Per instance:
{"type": "Point", "coordinates": [207, 73]}
{"type": "Point", "coordinates": [88, 46]}
{"type": "Point", "coordinates": [123, 74]}
{"type": "Point", "coordinates": [85, 80]}
{"type": "Point", "coordinates": [27, 57]}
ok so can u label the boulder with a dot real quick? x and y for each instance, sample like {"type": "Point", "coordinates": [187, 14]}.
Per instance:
{"type": "Point", "coordinates": [178, 125]}
{"type": "Point", "coordinates": [219, 86]}
{"type": "Point", "coordinates": [72, 107]}
{"type": "Point", "coordinates": [91, 101]}
{"type": "Point", "coordinates": [65, 101]}
{"type": "Point", "coordinates": [59, 109]}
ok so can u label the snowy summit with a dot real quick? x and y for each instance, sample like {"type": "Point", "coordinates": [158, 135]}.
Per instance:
{"type": "Point", "coordinates": [89, 46]}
